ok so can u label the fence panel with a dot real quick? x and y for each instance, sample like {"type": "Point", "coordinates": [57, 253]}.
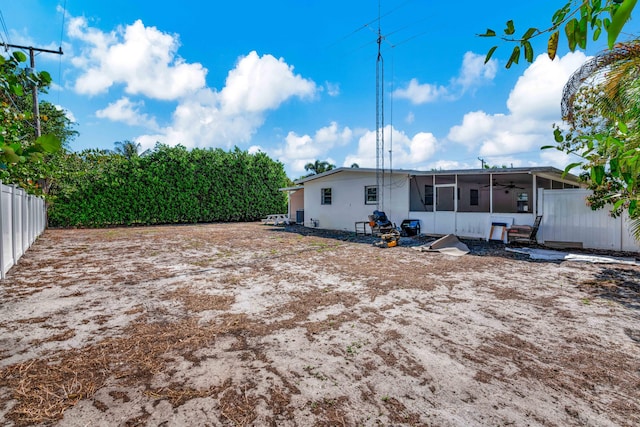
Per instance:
{"type": "Point", "coordinates": [568, 219]}
{"type": "Point", "coordinates": [22, 220]}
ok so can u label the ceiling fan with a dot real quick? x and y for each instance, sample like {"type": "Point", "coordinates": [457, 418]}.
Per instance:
{"type": "Point", "coordinates": [509, 186]}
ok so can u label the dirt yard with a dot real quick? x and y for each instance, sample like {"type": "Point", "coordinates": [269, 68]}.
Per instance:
{"type": "Point", "coordinates": [246, 324]}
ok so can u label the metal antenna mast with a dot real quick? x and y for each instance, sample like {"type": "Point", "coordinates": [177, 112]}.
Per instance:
{"type": "Point", "coordinates": [379, 121]}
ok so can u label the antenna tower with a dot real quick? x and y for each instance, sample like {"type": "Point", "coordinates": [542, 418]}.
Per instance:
{"type": "Point", "coordinates": [379, 121]}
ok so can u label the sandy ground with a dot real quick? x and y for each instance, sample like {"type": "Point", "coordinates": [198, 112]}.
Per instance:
{"type": "Point", "coordinates": [245, 324]}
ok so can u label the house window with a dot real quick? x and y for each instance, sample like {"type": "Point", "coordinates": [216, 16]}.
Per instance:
{"type": "Point", "coordinates": [326, 196]}
{"type": "Point", "coordinates": [370, 195]}
{"type": "Point", "coordinates": [428, 194]}
{"type": "Point", "coordinates": [474, 197]}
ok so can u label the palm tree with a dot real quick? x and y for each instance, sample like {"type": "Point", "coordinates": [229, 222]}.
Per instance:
{"type": "Point", "coordinates": [610, 84]}
{"type": "Point", "coordinates": [128, 149]}
{"type": "Point", "coordinates": [319, 167]}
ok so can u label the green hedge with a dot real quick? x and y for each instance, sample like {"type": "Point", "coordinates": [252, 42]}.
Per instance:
{"type": "Point", "coordinates": [169, 185]}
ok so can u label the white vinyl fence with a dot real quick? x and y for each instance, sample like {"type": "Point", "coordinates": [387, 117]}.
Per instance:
{"type": "Point", "coordinates": [566, 218]}
{"type": "Point", "coordinates": [22, 220]}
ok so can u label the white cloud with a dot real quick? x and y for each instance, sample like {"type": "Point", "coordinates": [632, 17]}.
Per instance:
{"type": "Point", "coordinates": [144, 62]}
{"type": "Point", "coordinates": [141, 58]}
{"type": "Point", "coordinates": [543, 81]}
{"type": "Point", "coordinates": [298, 150]}
{"type": "Point", "coordinates": [125, 111]}
{"type": "Point", "coordinates": [408, 152]}
{"type": "Point", "coordinates": [534, 105]}
{"type": "Point", "coordinates": [333, 89]}
{"type": "Point", "coordinates": [258, 84]}
{"type": "Point", "coordinates": [410, 118]}
{"type": "Point", "coordinates": [473, 73]}
{"type": "Point", "coordinates": [418, 93]}
{"type": "Point", "coordinates": [230, 117]}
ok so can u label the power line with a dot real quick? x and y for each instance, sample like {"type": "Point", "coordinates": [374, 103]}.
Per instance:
{"type": "Point", "coordinates": [64, 15]}
{"type": "Point", "coordinates": [5, 39]}
{"type": "Point", "coordinates": [34, 93]}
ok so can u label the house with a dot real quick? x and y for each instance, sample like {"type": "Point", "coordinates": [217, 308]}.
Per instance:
{"type": "Point", "coordinates": [461, 202]}
{"type": "Point", "coordinates": [473, 203]}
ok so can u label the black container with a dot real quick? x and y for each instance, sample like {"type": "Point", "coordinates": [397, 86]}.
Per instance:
{"type": "Point", "coordinates": [410, 227]}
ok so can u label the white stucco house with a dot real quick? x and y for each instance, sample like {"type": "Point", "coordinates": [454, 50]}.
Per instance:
{"type": "Point", "coordinates": [461, 202]}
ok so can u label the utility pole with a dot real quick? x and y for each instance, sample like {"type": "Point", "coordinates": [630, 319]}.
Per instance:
{"type": "Point", "coordinates": [34, 91]}
{"type": "Point", "coordinates": [482, 161]}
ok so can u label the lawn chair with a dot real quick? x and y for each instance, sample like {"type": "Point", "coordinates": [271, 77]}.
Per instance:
{"type": "Point", "coordinates": [524, 233]}
{"type": "Point", "coordinates": [379, 223]}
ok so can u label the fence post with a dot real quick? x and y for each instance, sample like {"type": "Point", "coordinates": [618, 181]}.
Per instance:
{"type": "Point", "coordinates": [13, 224]}
{"type": "Point", "coordinates": [22, 219]}
{"type": "Point", "coordinates": [2, 221]}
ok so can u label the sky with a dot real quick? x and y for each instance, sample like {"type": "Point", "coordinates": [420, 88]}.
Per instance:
{"type": "Point", "coordinates": [298, 79]}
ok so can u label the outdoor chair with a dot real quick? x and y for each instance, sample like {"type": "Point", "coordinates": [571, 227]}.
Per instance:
{"type": "Point", "coordinates": [379, 223]}
{"type": "Point", "coordinates": [524, 233]}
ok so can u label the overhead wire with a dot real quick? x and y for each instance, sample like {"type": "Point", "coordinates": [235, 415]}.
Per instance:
{"type": "Point", "coordinates": [64, 15]}
{"type": "Point", "coordinates": [5, 39]}
{"type": "Point", "coordinates": [377, 19]}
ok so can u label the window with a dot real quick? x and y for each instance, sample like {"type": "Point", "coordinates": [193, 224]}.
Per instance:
{"type": "Point", "coordinates": [474, 197]}
{"type": "Point", "coordinates": [370, 195]}
{"type": "Point", "coordinates": [428, 194]}
{"type": "Point", "coordinates": [326, 196]}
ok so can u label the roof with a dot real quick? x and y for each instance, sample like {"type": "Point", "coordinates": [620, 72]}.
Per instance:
{"type": "Point", "coordinates": [544, 171]}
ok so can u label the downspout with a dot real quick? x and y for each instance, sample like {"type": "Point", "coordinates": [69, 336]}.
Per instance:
{"type": "Point", "coordinates": [534, 196]}
{"type": "Point", "coordinates": [455, 206]}
{"type": "Point", "coordinates": [490, 194]}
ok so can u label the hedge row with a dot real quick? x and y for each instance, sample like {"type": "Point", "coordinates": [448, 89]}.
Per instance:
{"type": "Point", "coordinates": [168, 185]}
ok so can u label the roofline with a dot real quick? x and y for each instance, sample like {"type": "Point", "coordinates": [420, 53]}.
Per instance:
{"type": "Point", "coordinates": [535, 170]}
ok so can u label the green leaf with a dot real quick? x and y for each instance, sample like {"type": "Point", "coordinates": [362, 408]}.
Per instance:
{"type": "Point", "coordinates": [16, 90]}
{"type": "Point", "coordinates": [596, 33]}
{"type": "Point", "coordinates": [619, 19]}
{"type": "Point", "coordinates": [511, 29]}
{"type": "Point", "coordinates": [617, 204]}
{"type": "Point", "coordinates": [571, 166]}
{"type": "Point", "coordinates": [597, 174]}
{"type": "Point", "coordinates": [9, 155]}
{"type": "Point", "coordinates": [582, 33]}
{"type": "Point", "coordinates": [570, 32]}
{"type": "Point", "coordinates": [622, 127]}
{"type": "Point", "coordinates": [546, 147]}
{"type": "Point", "coordinates": [45, 77]}
{"type": "Point", "coordinates": [560, 14]}
{"type": "Point", "coordinates": [49, 143]}
{"type": "Point", "coordinates": [614, 166]}
{"type": "Point", "coordinates": [488, 33]}
{"type": "Point", "coordinates": [557, 135]}
{"type": "Point", "coordinates": [515, 57]}
{"type": "Point", "coordinates": [490, 54]}
{"type": "Point", "coordinates": [528, 52]}
{"type": "Point", "coordinates": [19, 56]}
{"type": "Point", "coordinates": [530, 32]}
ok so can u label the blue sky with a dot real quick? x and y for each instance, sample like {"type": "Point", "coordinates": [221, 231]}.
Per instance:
{"type": "Point", "coordinates": [297, 79]}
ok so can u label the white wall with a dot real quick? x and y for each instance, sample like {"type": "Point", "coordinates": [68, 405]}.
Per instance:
{"type": "Point", "coordinates": [348, 200]}
{"type": "Point", "coordinates": [567, 218]}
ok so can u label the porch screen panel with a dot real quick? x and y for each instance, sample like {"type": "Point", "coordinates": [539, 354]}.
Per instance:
{"type": "Point", "coordinates": [445, 199]}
